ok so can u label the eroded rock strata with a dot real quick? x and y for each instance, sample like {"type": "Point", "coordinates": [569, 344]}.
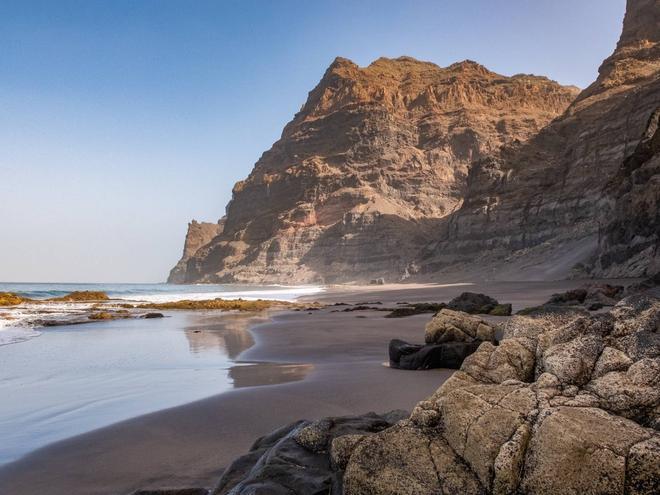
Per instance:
{"type": "Point", "coordinates": [375, 156]}
{"type": "Point", "coordinates": [546, 196]}
{"type": "Point", "coordinates": [403, 168]}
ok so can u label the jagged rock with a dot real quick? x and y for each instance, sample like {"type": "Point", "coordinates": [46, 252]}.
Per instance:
{"type": "Point", "coordinates": [198, 235]}
{"type": "Point", "coordinates": [361, 175]}
{"type": "Point", "coordinates": [558, 407]}
{"type": "Point", "coordinates": [454, 326]}
{"type": "Point", "coordinates": [297, 458]}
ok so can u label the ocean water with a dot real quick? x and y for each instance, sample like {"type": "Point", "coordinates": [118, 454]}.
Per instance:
{"type": "Point", "coordinates": [77, 378]}
{"type": "Point", "coordinates": [17, 324]}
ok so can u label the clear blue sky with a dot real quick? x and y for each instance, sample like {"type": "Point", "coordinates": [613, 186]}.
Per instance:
{"type": "Point", "coordinates": [122, 120]}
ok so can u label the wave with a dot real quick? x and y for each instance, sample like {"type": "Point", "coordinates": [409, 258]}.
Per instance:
{"type": "Point", "coordinates": [164, 292]}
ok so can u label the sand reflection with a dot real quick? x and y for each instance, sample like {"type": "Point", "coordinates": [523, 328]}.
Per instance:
{"type": "Point", "coordinates": [228, 335]}
{"type": "Point", "coordinates": [255, 374]}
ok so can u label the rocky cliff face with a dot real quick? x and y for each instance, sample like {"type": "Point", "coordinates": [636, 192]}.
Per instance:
{"type": "Point", "coordinates": [198, 235]}
{"type": "Point", "coordinates": [545, 196]}
{"type": "Point", "coordinates": [374, 157]}
{"type": "Point", "coordinates": [630, 242]}
{"type": "Point", "coordinates": [405, 168]}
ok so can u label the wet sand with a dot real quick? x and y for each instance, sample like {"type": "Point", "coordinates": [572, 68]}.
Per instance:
{"type": "Point", "coordinates": [191, 444]}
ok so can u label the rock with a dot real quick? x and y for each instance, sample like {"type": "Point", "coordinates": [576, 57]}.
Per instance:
{"type": "Point", "coordinates": [415, 309]}
{"type": "Point", "coordinates": [611, 359]}
{"type": "Point", "coordinates": [423, 357]}
{"type": "Point", "coordinates": [579, 450]}
{"type": "Point", "coordinates": [199, 234]}
{"type": "Point", "coordinates": [297, 458]}
{"type": "Point", "coordinates": [383, 470]}
{"type": "Point", "coordinates": [559, 406]}
{"type": "Point", "coordinates": [472, 303]}
{"type": "Point", "coordinates": [501, 310]}
{"type": "Point", "coordinates": [342, 448]}
{"type": "Point", "coordinates": [454, 326]}
{"type": "Point", "coordinates": [153, 315]}
{"type": "Point", "coordinates": [642, 468]}
{"type": "Point", "coordinates": [571, 297]}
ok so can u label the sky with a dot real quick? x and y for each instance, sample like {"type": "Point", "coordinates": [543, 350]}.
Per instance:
{"type": "Point", "coordinates": [120, 121]}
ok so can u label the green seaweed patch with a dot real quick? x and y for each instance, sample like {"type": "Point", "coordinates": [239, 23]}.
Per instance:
{"type": "Point", "coordinates": [81, 296]}
{"type": "Point", "coordinates": [11, 299]}
{"type": "Point", "coordinates": [220, 304]}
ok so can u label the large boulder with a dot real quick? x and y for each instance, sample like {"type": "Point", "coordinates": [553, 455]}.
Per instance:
{"type": "Point", "coordinates": [474, 303]}
{"type": "Point", "coordinates": [423, 357]}
{"type": "Point", "coordinates": [456, 326]}
{"type": "Point", "coordinates": [298, 458]}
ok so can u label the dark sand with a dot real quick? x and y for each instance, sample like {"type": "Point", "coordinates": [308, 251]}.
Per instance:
{"type": "Point", "coordinates": [191, 444]}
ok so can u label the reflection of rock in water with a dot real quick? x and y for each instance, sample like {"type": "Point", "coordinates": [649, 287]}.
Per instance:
{"type": "Point", "coordinates": [229, 335]}
{"type": "Point", "coordinates": [267, 374]}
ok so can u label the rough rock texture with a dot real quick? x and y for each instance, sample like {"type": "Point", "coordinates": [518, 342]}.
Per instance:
{"type": "Point", "coordinates": [630, 243]}
{"type": "Point", "coordinates": [360, 176]}
{"type": "Point", "coordinates": [199, 234]}
{"type": "Point", "coordinates": [304, 457]}
{"type": "Point", "coordinates": [559, 407]}
{"type": "Point", "coordinates": [455, 326]}
{"type": "Point", "coordinates": [535, 207]}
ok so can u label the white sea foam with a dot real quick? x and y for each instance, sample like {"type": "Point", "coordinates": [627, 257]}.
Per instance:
{"type": "Point", "coordinates": [14, 335]}
{"type": "Point", "coordinates": [285, 293]}
{"type": "Point", "coordinates": [18, 323]}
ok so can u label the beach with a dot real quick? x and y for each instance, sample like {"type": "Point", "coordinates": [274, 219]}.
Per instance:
{"type": "Point", "coordinates": [342, 355]}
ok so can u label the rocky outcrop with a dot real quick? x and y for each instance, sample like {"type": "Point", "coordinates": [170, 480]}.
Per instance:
{"type": "Point", "coordinates": [199, 234]}
{"type": "Point", "coordinates": [450, 337]}
{"type": "Point", "coordinates": [473, 303]}
{"type": "Point", "coordinates": [554, 409]}
{"type": "Point", "coordinates": [375, 157]}
{"type": "Point", "coordinates": [304, 457]}
{"type": "Point", "coordinates": [455, 326]}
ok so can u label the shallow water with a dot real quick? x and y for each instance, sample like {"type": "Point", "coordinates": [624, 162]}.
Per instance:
{"type": "Point", "coordinates": [74, 379]}
{"type": "Point", "coordinates": [17, 323]}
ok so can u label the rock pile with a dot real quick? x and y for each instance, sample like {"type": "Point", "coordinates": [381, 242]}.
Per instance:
{"type": "Point", "coordinates": [555, 408]}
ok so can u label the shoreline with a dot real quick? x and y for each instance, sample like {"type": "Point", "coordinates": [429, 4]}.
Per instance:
{"type": "Point", "coordinates": [189, 445]}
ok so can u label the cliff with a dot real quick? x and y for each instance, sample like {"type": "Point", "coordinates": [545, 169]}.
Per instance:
{"type": "Point", "coordinates": [544, 199]}
{"type": "Point", "coordinates": [198, 235]}
{"type": "Point", "coordinates": [403, 168]}
{"type": "Point", "coordinates": [361, 175]}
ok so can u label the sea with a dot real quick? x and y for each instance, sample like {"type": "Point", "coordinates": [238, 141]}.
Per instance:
{"type": "Point", "coordinates": [59, 382]}
{"type": "Point", "coordinates": [17, 323]}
